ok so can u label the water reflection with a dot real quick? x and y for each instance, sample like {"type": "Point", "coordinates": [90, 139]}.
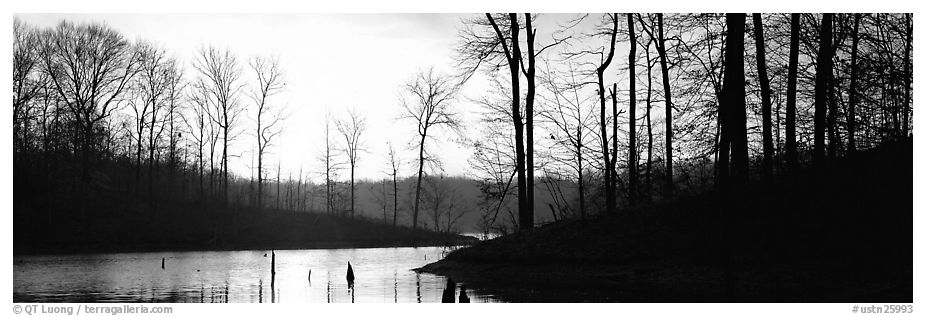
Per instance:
{"type": "Point", "coordinates": [232, 276]}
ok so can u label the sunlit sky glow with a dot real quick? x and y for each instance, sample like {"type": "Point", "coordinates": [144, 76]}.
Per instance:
{"type": "Point", "coordinates": [331, 63]}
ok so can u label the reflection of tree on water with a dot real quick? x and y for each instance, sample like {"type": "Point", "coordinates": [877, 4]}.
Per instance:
{"type": "Point", "coordinates": [350, 290]}
{"type": "Point", "coordinates": [449, 292]}
{"type": "Point", "coordinates": [418, 286]}
{"type": "Point", "coordinates": [260, 291]}
{"type": "Point", "coordinates": [273, 275]}
{"type": "Point", "coordinates": [395, 286]}
{"type": "Point", "coordinates": [350, 281]}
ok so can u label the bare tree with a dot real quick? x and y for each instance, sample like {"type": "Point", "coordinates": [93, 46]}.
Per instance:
{"type": "Point", "coordinates": [659, 40]}
{"type": "Point", "coordinates": [328, 159]}
{"type": "Point", "coordinates": [853, 97]}
{"type": "Point", "coordinates": [269, 83]}
{"type": "Point", "coordinates": [352, 129]}
{"type": "Point", "coordinates": [28, 80]}
{"type": "Point", "coordinates": [430, 106]}
{"type": "Point", "coordinates": [791, 106]}
{"type": "Point", "coordinates": [821, 88]}
{"type": "Point", "coordinates": [632, 159]}
{"type": "Point", "coordinates": [395, 163]}
{"type": "Point", "coordinates": [90, 66]}
{"type": "Point", "coordinates": [480, 45]}
{"type": "Point", "coordinates": [609, 183]}
{"type": "Point", "coordinates": [381, 196]}
{"type": "Point", "coordinates": [220, 70]}
{"type": "Point", "coordinates": [570, 119]}
{"type": "Point", "coordinates": [197, 120]}
{"type": "Point", "coordinates": [768, 150]}
{"type": "Point", "coordinates": [444, 202]}
{"type": "Point", "coordinates": [175, 90]}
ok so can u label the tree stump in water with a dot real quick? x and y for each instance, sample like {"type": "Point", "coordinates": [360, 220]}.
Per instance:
{"type": "Point", "coordinates": [463, 297]}
{"type": "Point", "coordinates": [162, 263]}
{"type": "Point", "coordinates": [350, 274]}
{"type": "Point", "coordinates": [449, 292]}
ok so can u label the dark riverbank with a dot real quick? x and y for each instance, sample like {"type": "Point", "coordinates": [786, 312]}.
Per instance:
{"type": "Point", "coordinates": [847, 238]}
{"type": "Point", "coordinates": [119, 224]}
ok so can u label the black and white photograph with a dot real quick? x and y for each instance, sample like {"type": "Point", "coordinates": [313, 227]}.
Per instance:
{"type": "Point", "coordinates": [291, 156]}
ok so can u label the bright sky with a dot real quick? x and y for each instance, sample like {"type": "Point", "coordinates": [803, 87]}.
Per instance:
{"type": "Point", "coordinates": [331, 63]}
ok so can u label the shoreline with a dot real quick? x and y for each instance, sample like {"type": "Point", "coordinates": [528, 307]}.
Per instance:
{"type": "Point", "coordinates": [100, 249]}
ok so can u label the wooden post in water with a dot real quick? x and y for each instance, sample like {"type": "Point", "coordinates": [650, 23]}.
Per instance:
{"type": "Point", "coordinates": [162, 263]}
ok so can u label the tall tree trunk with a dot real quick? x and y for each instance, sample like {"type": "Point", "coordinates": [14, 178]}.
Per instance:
{"type": "Point", "coordinates": [610, 202]}
{"type": "Point", "coordinates": [529, 113]}
{"type": "Point", "coordinates": [151, 144]}
{"type": "Point", "coordinates": [614, 144]}
{"type": "Point", "coordinates": [824, 69]}
{"type": "Point", "coordinates": [661, 47]}
{"type": "Point", "coordinates": [225, 162]}
{"type": "Point", "coordinates": [853, 81]}
{"type": "Point", "coordinates": [791, 106]}
{"type": "Point", "coordinates": [832, 107]}
{"type": "Point", "coordinates": [260, 161]}
{"type": "Point", "coordinates": [649, 127]}
{"type": "Point", "coordinates": [418, 182]}
{"type": "Point", "coordinates": [395, 198]}
{"type": "Point", "coordinates": [734, 124]}
{"type": "Point", "coordinates": [735, 86]}
{"type": "Point", "coordinates": [525, 217]}
{"type": "Point", "coordinates": [768, 149]}
{"type": "Point", "coordinates": [353, 211]}
{"type": "Point", "coordinates": [631, 60]}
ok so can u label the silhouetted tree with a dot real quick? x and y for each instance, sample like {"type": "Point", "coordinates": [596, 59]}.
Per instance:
{"type": "Point", "coordinates": [352, 129]}
{"type": "Point", "coordinates": [570, 118]}
{"type": "Point", "coordinates": [821, 88]}
{"type": "Point", "coordinates": [607, 56]}
{"type": "Point", "coordinates": [661, 48]}
{"type": "Point", "coordinates": [791, 106]}
{"type": "Point", "coordinates": [327, 158]}
{"type": "Point", "coordinates": [768, 149]}
{"type": "Point", "coordinates": [853, 98]}
{"type": "Point", "coordinates": [430, 106]}
{"type": "Point", "coordinates": [632, 121]}
{"type": "Point", "coordinates": [478, 47]}
{"type": "Point", "coordinates": [394, 163]}
{"type": "Point", "coordinates": [221, 72]}
{"type": "Point", "coordinates": [90, 66]}
{"type": "Point", "coordinates": [269, 83]}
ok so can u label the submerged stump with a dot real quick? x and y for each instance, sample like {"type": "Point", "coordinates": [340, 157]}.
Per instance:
{"type": "Point", "coordinates": [449, 292]}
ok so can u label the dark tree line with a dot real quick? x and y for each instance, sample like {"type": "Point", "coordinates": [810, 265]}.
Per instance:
{"type": "Point", "coordinates": [792, 90]}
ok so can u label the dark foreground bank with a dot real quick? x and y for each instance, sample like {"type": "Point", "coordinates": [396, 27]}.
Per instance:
{"type": "Point", "coordinates": [845, 236]}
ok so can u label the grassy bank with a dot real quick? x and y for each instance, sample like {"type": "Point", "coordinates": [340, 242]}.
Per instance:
{"type": "Point", "coordinates": [843, 236]}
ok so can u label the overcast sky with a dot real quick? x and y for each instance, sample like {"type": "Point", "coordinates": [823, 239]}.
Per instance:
{"type": "Point", "coordinates": [331, 63]}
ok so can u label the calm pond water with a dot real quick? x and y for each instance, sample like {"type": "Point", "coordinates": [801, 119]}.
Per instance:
{"type": "Point", "coordinates": [383, 275]}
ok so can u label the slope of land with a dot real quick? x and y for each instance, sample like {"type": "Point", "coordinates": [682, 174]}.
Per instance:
{"type": "Point", "coordinates": [842, 233]}
{"type": "Point", "coordinates": [113, 220]}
